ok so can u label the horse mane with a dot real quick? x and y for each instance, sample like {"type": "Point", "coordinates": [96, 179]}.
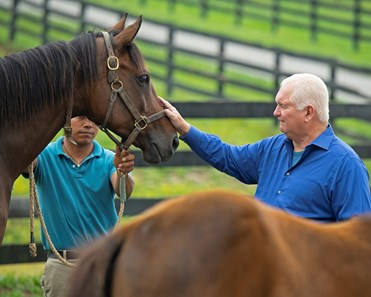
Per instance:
{"type": "Point", "coordinates": [44, 75]}
{"type": "Point", "coordinates": [135, 56]}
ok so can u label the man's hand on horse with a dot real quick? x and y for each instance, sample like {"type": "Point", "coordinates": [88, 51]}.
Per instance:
{"type": "Point", "coordinates": [179, 123]}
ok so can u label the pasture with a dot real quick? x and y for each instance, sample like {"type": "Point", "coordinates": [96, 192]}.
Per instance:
{"type": "Point", "coordinates": [167, 182]}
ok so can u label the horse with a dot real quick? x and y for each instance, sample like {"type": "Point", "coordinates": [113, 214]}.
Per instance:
{"type": "Point", "coordinates": [43, 87]}
{"type": "Point", "coordinates": [221, 243]}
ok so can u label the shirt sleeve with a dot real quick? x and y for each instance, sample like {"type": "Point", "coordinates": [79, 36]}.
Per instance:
{"type": "Point", "coordinates": [237, 161]}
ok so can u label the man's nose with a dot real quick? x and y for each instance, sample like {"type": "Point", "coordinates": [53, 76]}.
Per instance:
{"type": "Point", "coordinates": [276, 111]}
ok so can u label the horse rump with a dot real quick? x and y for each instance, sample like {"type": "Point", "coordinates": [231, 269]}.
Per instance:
{"type": "Point", "coordinates": [93, 277]}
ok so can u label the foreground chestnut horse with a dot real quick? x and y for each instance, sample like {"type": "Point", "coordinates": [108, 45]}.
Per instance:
{"type": "Point", "coordinates": [40, 87]}
{"type": "Point", "coordinates": [220, 244]}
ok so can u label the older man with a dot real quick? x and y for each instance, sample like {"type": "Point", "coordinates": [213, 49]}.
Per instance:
{"type": "Point", "coordinates": [307, 170]}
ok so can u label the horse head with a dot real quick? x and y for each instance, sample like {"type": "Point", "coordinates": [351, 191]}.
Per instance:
{"type": "Point", "coordinates": [43, 87]}
{"type": "Point", "coordinates": [124, 100]}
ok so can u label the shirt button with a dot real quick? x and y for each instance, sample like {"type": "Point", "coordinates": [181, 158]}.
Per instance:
{"type": "Point", "coordinates": [73, 166]}
{"type": "Point", "coordinates": [288, 173]}
{"type": "Point", "coordinates": [279, 191]}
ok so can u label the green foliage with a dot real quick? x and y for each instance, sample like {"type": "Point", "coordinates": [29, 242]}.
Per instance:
{"type": "Point", "coordinates": [20, 286]}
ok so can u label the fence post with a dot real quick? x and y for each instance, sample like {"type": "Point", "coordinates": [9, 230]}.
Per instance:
{"type": "Point", "coordinates": [170, 66]}
{"type": "Point", "coordinates": [275, 15]}
{"type": "Point", "coordinates": [313, 20]}
{"type": "Point", "coordinates": [204, 8]}
{"type": "Point", "coordinates": [239, 12]}
{"type": "Point", "coordinates": [277, 70]}
{"type": "Point", "coordinates": [356, 24]}
{"type": "Point", "coordinates": [331, 86]}
{"type": "Point", "coordinates": [45, 29]}
{"type": "Point", "coordinates": [13, 21]}
{"type": "Point", "coordinates": [82, 15]}
{"type": "Point", "coordinates": [221, 69]}
{"type": "Point", "coordinates": [172, 5]}
{"type": "Point", "coordinates": [332, 80]}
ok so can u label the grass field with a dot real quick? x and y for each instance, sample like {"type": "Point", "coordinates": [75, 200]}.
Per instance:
{"type": "Point", "coordinates": [22, 280]}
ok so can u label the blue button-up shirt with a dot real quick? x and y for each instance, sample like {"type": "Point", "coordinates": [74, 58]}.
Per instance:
{"type": "Point", "coordinates": [328, 183]}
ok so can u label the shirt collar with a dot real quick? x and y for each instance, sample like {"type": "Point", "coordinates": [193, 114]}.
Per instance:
{"type": "Point", "coordinates": [97, 151]}
{"type": "Point", "coordinates": [323, 140]}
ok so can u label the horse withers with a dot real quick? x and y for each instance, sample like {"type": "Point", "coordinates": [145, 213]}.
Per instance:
{"type": "Point", "coordinates": [221, 243]}
{"type": "Point", "coordinates": [99, 75]}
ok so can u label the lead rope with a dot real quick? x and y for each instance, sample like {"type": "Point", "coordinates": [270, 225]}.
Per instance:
{"type": "Point", "coordinates": [34, 201]}
{"type": "Point", "coordinates": [122, 199]}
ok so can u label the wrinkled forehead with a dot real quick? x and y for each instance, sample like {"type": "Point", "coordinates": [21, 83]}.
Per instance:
{"type": "Point", "coordinates": [283, 95]}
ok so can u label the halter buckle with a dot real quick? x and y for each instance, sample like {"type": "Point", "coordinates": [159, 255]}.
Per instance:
{"type": "Point", "coordinates": [138, 125]}
{"type": "Point", "coordinates": [115, 63]}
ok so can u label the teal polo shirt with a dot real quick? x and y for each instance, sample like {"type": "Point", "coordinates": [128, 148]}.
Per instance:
{"type": "Point", "coordinates": [77, 202]}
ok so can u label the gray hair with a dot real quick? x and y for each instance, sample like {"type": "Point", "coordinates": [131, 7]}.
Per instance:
{"type": "Point", "coordinates": [308, 89]}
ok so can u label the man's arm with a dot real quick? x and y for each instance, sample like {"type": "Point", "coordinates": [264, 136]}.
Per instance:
{"type": "Point", "coordinates": [124, 163]}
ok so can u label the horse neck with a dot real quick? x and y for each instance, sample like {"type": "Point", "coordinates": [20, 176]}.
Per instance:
{"type": "Point", "coordinates": [21, 144]}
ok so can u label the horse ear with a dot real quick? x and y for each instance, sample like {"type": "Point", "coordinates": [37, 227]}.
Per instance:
{"type": "Point", "coordinates": [128, 34]}
{"type": "Point", "coordinates": [121, 24]}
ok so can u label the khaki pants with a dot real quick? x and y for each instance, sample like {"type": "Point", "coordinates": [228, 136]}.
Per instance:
{"type": "Point", "coordinates": [55, 278]}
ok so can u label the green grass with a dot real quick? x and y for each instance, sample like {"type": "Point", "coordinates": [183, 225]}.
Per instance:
{"type": "Point", "coordinates": [12, 285]}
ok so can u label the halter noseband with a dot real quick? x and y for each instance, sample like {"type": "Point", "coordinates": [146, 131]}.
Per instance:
{"type": "Point", "coordinates": [117, 87]}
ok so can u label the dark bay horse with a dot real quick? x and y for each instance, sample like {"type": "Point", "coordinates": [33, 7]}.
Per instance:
{"type": "Point", "coordinates": [41, 87]}
{"type": "Point", "coordinates": [220, 243]}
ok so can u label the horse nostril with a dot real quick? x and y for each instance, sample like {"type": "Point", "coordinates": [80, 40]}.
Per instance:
{"type": "Point", "coordinates": [175, 142]}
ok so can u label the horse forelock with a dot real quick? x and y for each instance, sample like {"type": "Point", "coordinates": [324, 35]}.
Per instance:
{"type": "Point", "coordinates": [43, 76]}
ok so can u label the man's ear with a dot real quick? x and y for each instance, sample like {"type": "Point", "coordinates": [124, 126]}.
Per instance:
{"type": "Point", "coordinates": [309, 112]}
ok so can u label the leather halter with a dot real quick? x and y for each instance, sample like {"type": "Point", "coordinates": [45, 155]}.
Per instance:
{"type": "Point", "coordinates": [117, 87]}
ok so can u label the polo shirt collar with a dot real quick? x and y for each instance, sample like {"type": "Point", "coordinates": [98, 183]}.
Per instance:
{"type": "Point", "coordinates": [97, 151]}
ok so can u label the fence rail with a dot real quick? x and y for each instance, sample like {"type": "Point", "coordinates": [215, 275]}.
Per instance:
{"type": "Point", "coordinates": [346, 20]}
{"type": "Point", "coordinates": [19, 207]}
{"type": "Point", "coordinates": [220, 68]}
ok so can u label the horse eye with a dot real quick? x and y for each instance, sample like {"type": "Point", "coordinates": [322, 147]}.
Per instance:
{"type": "Point", "coordinates": [143, 79]}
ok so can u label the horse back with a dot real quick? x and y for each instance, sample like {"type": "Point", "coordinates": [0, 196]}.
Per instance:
{"type": "Point", "coordinates": [220, 243]}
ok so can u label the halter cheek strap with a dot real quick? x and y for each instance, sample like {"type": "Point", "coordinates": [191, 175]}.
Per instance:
{"type": "Point", "coordinates": [117, 87]}
{"type": "Point", "coordinates": [67, 126]}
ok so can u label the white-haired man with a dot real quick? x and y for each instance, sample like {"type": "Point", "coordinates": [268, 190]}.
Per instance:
{"type": "Point", "coordinates": [307, 170]}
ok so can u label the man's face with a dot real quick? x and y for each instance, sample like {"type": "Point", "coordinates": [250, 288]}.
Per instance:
{"type": "Point", "coordinates": [83, 130]}
{"type": "Point", "coordinates": [290, 119]}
